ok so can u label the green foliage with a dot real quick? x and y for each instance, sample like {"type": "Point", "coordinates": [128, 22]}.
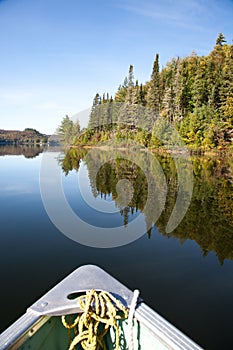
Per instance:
{"type": "Point", "coordinates": [194, 94]}
{"type": "Point", "coordinates": [210, 199]}
{"type": "Point", "coordinates": [68, 131]}
{"type": "Point", "coordinates": [71, 160]}
{"type": "Point", "coordinates": [198, 129]}
{"type": "Point", "coordinates": [153, 96]}
{"type": "Point", "coordinates": [209, 219]}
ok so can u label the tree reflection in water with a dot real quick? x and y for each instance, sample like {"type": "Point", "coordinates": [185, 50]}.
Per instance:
{"type": "Point", "coordinates": [28, 151]}
{"type": "Point", "coordinates": [209, 219]}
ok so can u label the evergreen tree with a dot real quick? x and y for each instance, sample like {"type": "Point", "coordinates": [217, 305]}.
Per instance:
{"type": "Point", "coordinates": [122, 91]}
{"type": "Point", "coordinates": [200, 88]}
{"type": "Point", "coordinates": [169, 103]}
{"type": "Point", "coordinates": [226, 93]}
{"type": "Point", "coordinates": [75, 132]}
{"type": "Point", "coordinates": [220, 39]}
{"type": "Point", "coordinates": [142, 94]}
{"type": "Point", "coordinates": [130, 77]}
{"type": "Point", "coordinates": [126, 83]}
{"type": "Point", "coordinates": [187, 92]}
{"type": "Point", "coordinates": [153, 96]}
{"type": "Point", "coordinates": [135, 116]}
{"type": "Point", "coordinates": [126, 114]}
{"type": "Point", "coordinates": [67, 131]}
{"type": "Point", "coordinates": [94, 119]}
{"type": "Point", "coordinates": [106, 113]}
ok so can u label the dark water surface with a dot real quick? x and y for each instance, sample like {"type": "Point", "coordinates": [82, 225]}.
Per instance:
{"type": "Point", "coordinates": [186, 275]}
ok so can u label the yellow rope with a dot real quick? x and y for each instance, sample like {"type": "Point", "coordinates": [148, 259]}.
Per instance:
{"type": "Point", "coordinates": [101, 310]}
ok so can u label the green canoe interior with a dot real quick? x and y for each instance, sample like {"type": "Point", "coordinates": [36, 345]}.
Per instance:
{"type": "Point", "coordinates": [54, 336]}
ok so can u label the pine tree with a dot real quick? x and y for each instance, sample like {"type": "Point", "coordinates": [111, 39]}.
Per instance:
{"type": "Point", "coordinates": [153, 96]}
{"type": "Point", "coordinates": [106, 113]}
{"type": "Point", "coordinates": [64, 131]}
{"type": "Point", "coordinates": [135, 107]}
{"type": "Point", "coordinates": [226, 93]}
{"type": "Point", "coordinates": [169, 103]}
{"type": "Point", "coordinates": [126, 115]}
{"type": "Point", "coordinates": [130, 77]}
{"type": "Point", "coordinates": [94, 120]}
{"type": "Point", "coordinates": [122, 91]}
{"type": "Point", "coordinates": [200, 89]}
{"type": "Point", "coordinates": [142, 94]}
{"type": "Point", "coordinates": [217, 58]}
{"type": "Point", "coordinates": [75, 132]}
{"type": "Point", "coordinates": [187, 92]}
{"type": "Point", "coordinates": [220, 39]}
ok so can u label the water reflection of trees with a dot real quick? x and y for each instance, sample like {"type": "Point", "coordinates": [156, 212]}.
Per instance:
{"type": "Point", "coordinates": [209, 219]}
{"type": "Point", "coordinates": [109, 175]}
{"type": "Point", "coordinates": [105, 173]}
{"type": "Point", "coordinates": [71, 160]}
{"type": "Point", "coordinates": [28, 151]}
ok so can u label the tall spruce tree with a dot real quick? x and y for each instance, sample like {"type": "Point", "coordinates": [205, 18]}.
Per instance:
{"type": "Point", "coordinates": [94, 119]}
{"type": "Point", "coordinates": [153, 96]}
{"type": "Point", "coordinates": [131, 77]}
{"type": "Point", "coordinates": [126, 113]}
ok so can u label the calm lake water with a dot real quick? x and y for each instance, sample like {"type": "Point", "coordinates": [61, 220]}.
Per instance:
{"type": "Point", "coordinates": [185, 275]}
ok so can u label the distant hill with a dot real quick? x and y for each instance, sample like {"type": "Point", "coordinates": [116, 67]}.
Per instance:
{"type": "Point", "coordinates": [28, 136]}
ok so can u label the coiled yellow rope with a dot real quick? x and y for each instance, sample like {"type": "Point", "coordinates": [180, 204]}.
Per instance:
{"type": "Point", "coordinates": [101, 310]}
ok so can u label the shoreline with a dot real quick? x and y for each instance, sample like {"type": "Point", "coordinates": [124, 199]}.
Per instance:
{"type": "Point", "coordinates": [162, 150]}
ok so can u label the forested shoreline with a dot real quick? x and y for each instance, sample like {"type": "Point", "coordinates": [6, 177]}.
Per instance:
{"type": "Point", "coordinates": [27, 137]}
{"type": "Point", "coordinates": [194, 95]}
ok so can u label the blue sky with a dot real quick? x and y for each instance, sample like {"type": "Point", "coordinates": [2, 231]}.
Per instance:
{"type": "Point", "coordinates": [55, 55]}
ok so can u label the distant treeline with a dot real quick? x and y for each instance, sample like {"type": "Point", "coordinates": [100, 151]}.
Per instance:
{"type": "Point", "coordinates": [194, 94]}
{"type": "Point", "coordinates": [26, 137]}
